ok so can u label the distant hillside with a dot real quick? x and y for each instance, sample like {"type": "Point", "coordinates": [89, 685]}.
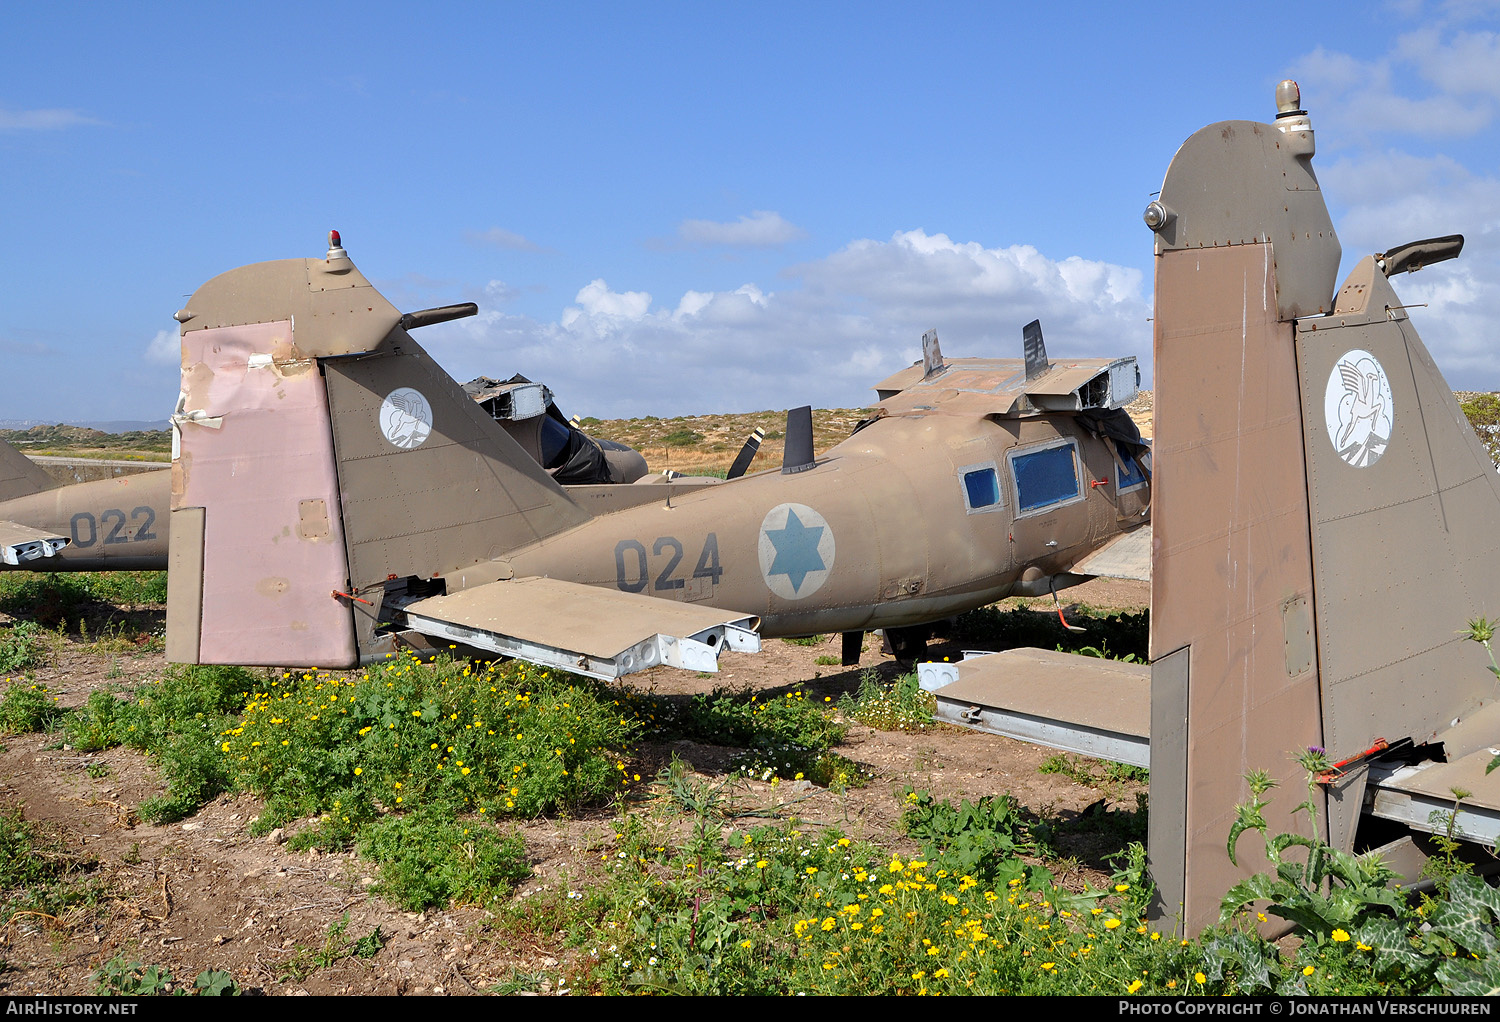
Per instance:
{"type": "Point", "coordinates": [87, 442]}
{"type": "Point", "coordinates": [103, 425]}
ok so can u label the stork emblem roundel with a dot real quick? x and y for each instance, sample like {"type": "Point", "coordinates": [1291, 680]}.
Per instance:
{"type": "Point", "coordinates": [1358, 408]}
{"type": "Point", "coordinates": [405, 418]}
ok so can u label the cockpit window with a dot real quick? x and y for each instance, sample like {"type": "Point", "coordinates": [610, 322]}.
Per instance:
{"type": "Point", "coordinates": [981, 486]}
{"type": "Point", "coordinates": [1045, 477]}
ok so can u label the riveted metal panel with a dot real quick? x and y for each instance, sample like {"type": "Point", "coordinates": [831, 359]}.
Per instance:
{"type": "Point", "coordinates": [1406, 542]}
{"type": "Point", "coordinates": [1230, 527]}
{"type": "Point", "coordinates": [256, 445]}
{"type": "Point", "coordinates": [441, 493]}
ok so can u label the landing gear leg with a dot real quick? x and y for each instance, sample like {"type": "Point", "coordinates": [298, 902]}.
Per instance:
{"type": "Point", "coordinates": [906, 644]}
{"type": "Point", "coordinates": [854, 644]}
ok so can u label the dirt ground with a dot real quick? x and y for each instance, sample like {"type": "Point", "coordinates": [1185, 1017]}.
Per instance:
{"type": "Point", "coordinates": [202, 893]}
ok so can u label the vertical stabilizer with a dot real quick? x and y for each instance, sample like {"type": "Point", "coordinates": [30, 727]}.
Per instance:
{"type": "Point", "coordinates": [1325, 520]}
{"type": "Point", "coordinates": [19, 475]}
{"type": "Point", "coordinates": [1235, 684]}
{"type": "Point", "coordinates": [323, 458]}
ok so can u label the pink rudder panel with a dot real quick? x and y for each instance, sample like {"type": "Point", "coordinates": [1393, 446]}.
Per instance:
{"type": "Point", "coordinates": [255, 452]}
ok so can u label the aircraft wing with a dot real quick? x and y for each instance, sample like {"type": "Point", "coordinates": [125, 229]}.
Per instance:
{"type": "Point", "coordinates": [1128, 555]}
{"type": "Point", "coordinates": [21, 543]}
{"type": "Point", "coordinates": [603, 633]}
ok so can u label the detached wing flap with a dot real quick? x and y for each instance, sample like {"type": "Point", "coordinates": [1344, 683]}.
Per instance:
{"type": "Point", "coordinates": [21, 543]}
{"type": "Point", "coordinates": [1100, 708]}
{"type": "Point", "coordinates": [1128, 555]}
{"type": "Point", "coordinates": [602, 633]}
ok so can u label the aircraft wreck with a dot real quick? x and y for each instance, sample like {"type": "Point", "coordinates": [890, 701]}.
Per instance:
{"type": "Point", "coordinates": [391, 510]}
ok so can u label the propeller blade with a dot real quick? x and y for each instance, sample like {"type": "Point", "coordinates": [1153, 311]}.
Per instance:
{"type": "Point", "coordinates": [798, 456]}
{"type": "Point", "coordinates": [747, 454]}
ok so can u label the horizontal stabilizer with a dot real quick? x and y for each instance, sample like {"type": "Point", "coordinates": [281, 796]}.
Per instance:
{"type": "Point", "coordinates": [602, 633]}
{"type": "Point", "coordinates": [1099, 708]}
{"type": "Point", "coordinates": [1128, 555]}
{"type": "Point", "coordinates": [21, 543]}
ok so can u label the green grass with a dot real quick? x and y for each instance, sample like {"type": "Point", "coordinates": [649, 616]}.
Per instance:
{"type": "Point", "coordinates": [62, 594]}
{"type": "Point", "coordinates": [38, 876]}
{"type": "Point", "coordinates": [1093, 772]}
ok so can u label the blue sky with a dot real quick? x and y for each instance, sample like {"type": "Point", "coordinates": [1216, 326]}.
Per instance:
{"type": "Point", "coordinates": [668, 208]}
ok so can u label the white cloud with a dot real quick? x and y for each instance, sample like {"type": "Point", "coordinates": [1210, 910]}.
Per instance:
{"type": "Point", "coordinates": [1435, 84]}
{"type": "Point", "coordinates": [761, 229]}
{"type": "Point", "coordinates": [839, 325]}
{"type": "Point", "coordinates": [165, 348]}
{"type": "Point", "coordinates": [42, 120]}
{"type": "Point", "coordinates": [501, 238]}
{"type": "Point", "coordinates": [1353, 100]}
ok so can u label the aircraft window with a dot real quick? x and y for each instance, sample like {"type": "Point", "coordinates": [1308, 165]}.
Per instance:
{"type": "Point", "coordinates": [1045, 477]}
{"type": "Point", "coordinates": [1132, 475]}
{"type": "Point", "coordinates": [555, 437]}
{"type": "Point", "coordinates": [981, 487]}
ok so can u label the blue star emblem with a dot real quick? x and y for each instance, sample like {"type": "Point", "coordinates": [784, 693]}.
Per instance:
{"type": "Point", "coordinates": [796, 550]}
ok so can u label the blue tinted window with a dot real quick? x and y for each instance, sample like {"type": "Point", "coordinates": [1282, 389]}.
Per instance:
{"type": "Point", "coordinates": [982, 487]}
{"type": "Point", "coordinates": [1131, 475]}
{"type": "Point", "coordinates": [1045, 477]}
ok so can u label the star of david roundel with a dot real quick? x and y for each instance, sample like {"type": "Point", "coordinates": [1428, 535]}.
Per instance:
{"type": "Point", "coordinates": [405, 418]}
{"type": "Point", "coordinates": [796, 551]}
{"type": "Point", "coordinates": [1358, 408]}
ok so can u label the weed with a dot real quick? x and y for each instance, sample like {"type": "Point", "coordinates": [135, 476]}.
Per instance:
{"type": "Point", "coordinates": [97, 770]}
{"type": "Point", "coordinates": [903, 706]}
{"type": "Point", "coordinates": [980, 838]}
{"type": "Point", "coordinates": [94, 726]}
{"type": "Point", "coordinates": [827, 660]}
{"type": "Point", "coordinates": [336, 947]}
{"type": "Point", "coordinates": [1094, 773]}
{"type": "Point", "coordinates": [428, 859]}
{"type": "Point", "coordinates": [783, 736]}
{"type": "Point", "coordinates": [1102, 652]}
{"type": "Point", "coordinates": [497, 739]}
{"type": "Point", "coordinates": [120, 977]}
{"type": "Point", "coordinates": [1483, 412]}
{"type": "Point", "coordinates": [804, 640]}
{"type": "Point", "coordinates": [28, 708]}
{"type": "Point", "coordinates": [37, 874]}
{"type": "Point", "coordinates": [520, 983]}
{"type": "Point", "coordinates": [1446, 864]}
{"type": "Point", "coordinates": [23, 646]}
{"type": "Point", "coordinates": [57, 596]}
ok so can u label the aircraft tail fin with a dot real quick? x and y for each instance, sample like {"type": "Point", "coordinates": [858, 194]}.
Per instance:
{"type": "Point", "coordinates": [1324, 519]}
{"type": "Point", "coordinates": [19, 475]}
{"type": "Point", "coordinates": [325, 458]}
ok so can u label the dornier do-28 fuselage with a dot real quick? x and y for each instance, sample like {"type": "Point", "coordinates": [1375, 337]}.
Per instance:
{"type": "Point", "coordinates": [389, 507]}
{"type": "Point", "coordinates": [959, 492]}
